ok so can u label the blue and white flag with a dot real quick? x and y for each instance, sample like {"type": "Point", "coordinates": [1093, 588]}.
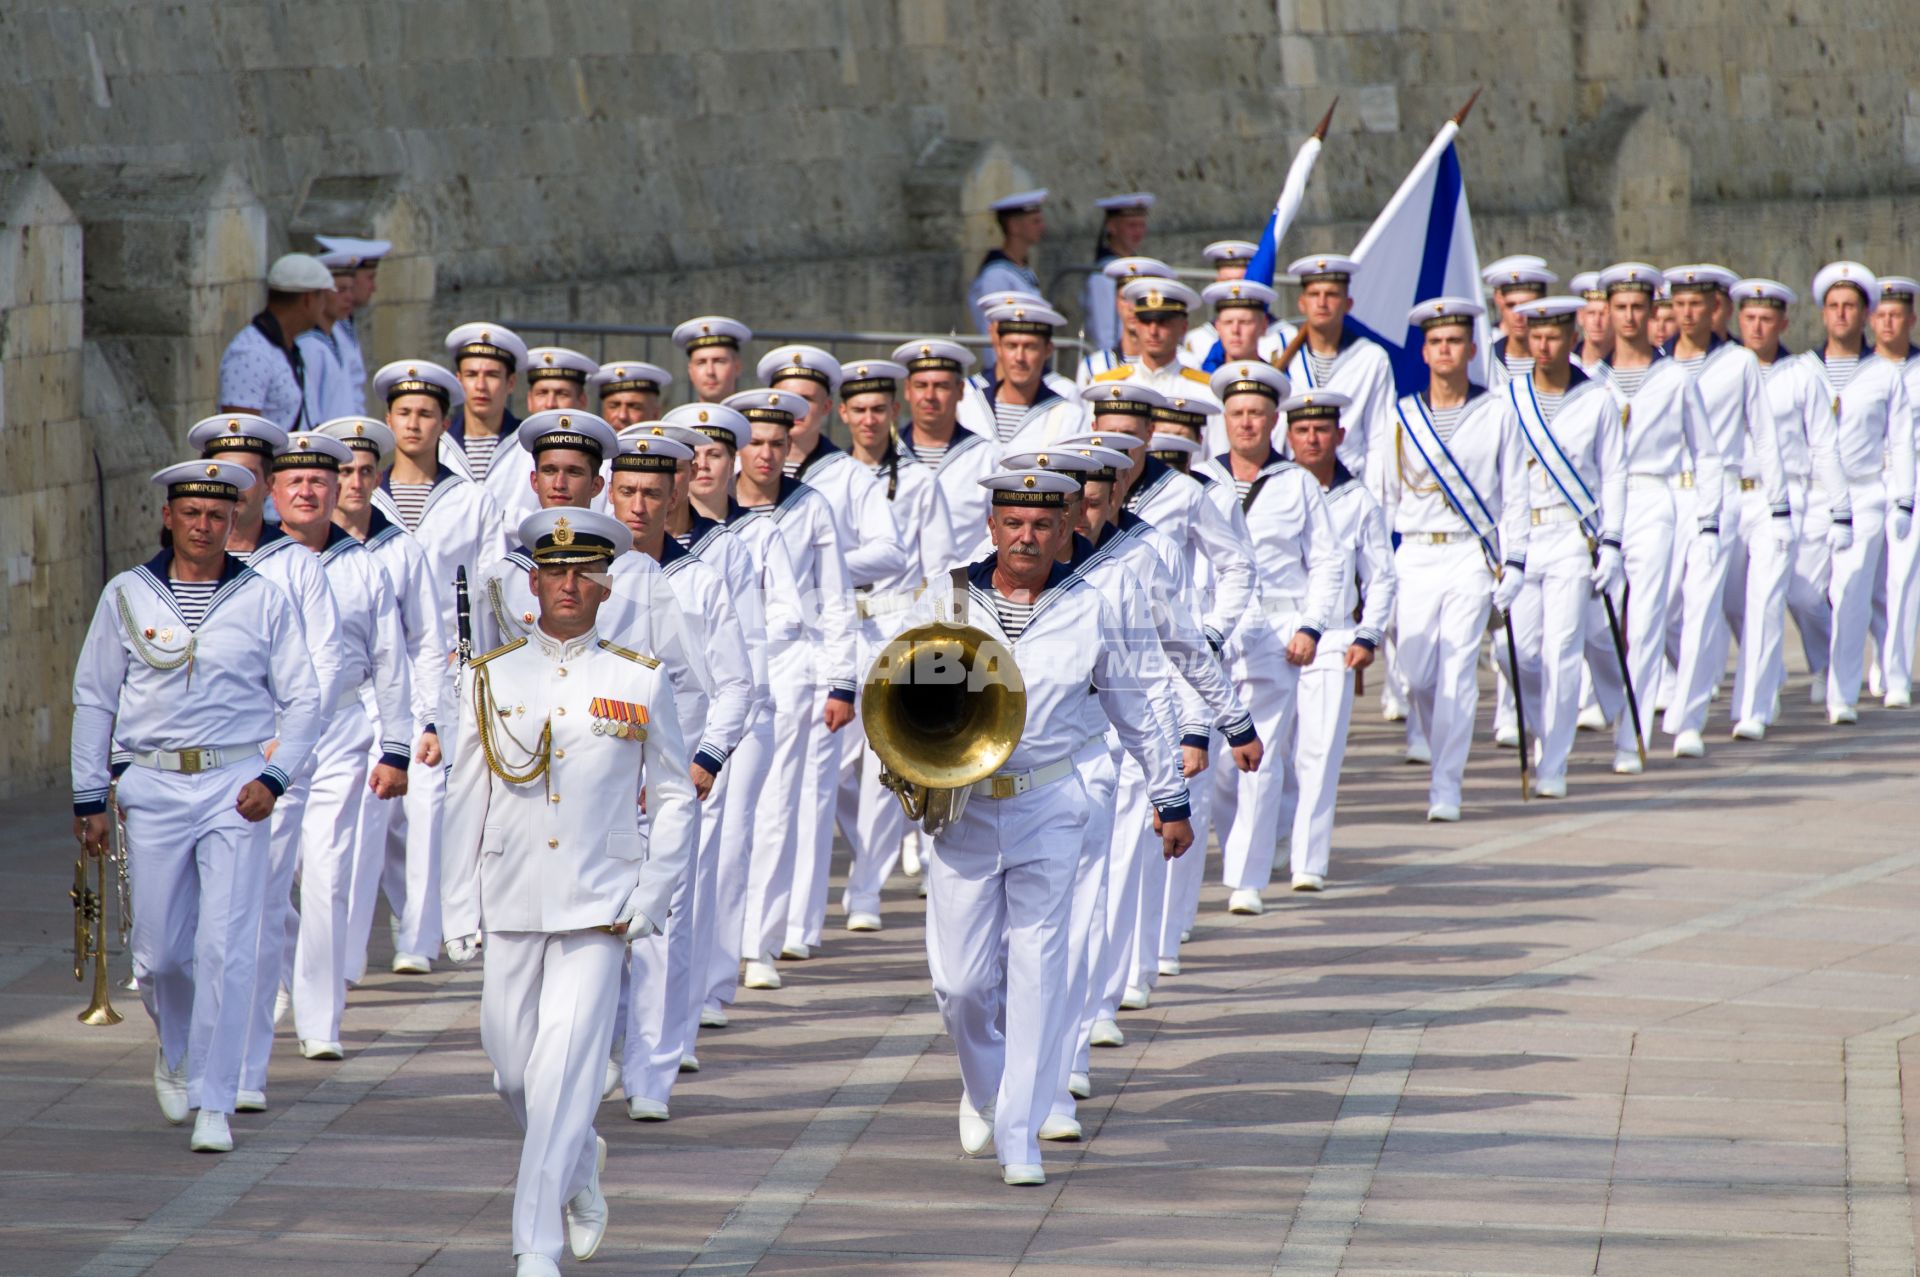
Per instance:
{"type": "Point", "coordinates": [1260, 267]}
{"type": "Point", "coordinates": [1420, 247]}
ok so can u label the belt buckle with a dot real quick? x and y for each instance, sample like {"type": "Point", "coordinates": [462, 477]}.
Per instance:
{"type": "Point", "coordinates": [1005, 786]}
{"type": "Point", "coordinates": [1539, 517]}
{"type": "Point", "coordinates": [193, 761]}
{"type": "Point", "coordinates": [1436, 538]}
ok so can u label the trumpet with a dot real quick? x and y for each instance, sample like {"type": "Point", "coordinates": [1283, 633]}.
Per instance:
{"type": "Point", "coordinates": [90, 930]}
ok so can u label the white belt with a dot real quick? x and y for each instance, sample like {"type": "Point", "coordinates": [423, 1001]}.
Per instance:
{"type": "Point", "coordinates": [1013, 784]}
{"type": "Point", "coordinates": [1640, 482]}
{"type": "Point", "coordinates": [1435, 538]}
{"type": "Point", "coordinates": [872, 605]}
{"type": "Point", "coordinates": [199, 758]}
{"type": "Point", "coordinates": [1684, 479]}
{"type": "Point", "coordinates": [1562, 513]}
{"type": "Point", "coordinates": [1280, 605]}
{"type": "Point", "coordinates": [1749, 485]}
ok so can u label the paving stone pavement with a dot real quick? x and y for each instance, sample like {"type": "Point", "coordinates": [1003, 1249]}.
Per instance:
{"type": "Point", "coordinates": [1661, 1027]}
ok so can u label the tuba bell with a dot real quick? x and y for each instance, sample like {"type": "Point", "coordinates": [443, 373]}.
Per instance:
{"type": "Point", "coordinates": [944, 706]}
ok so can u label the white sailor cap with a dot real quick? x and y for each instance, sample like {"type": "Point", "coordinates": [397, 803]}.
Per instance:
{"type": "Point", "coordinates": [1159, 297]}
{"type": "Point", "coordinates": [934, 354]}
{"type": "Point", "coordinates": [299, 273]}
{"type": "Point", "coordinates": [564, 536]}
{"type": "Point", "coordinates": [1852, 273]}
{"type": "Point", "coordinates": [1117, 440]}
{"type": "Point", "coordinates": [666, 430]}
{"type": "Point", "coordinates": [362, 434]}
{"type": "Point", "coordinates": [1009, 297]}
{"type": "Point", "coordinates": [1025, 316]}
{"type": "Point", "coordinates": [1323, 266]}
{"type": "Point", "coordinates": [717, 423]}
{"type": "Point", "coordinates": [1230, 250]}
{"type": "Point", "coordinates": [1067, 461]}
{"type": "Point", "coordinates": [1436, 311]}
{"type": "Point", "coordinates": [369, 251]}
{"type": "Point", "coordinates": [483, 340]}
{"type": "Point", "coordinates": [420, 377]}
{"type": "Point", "coordinates": [1550, 310]}
{"type": "Point", "coordinates": [312, 450]}
{"type": "Point", "coordinates": [1898, 288]}
{"type": "Point", "coordinates": [1759, 291]}
{"type": "Point", "coordinates": [1246, 294]}
{"type": "Point", "coordinates": [338, 262]}
{"type": "Point", "coordinates": [1122, 398]}
{"type": "Point", "coordinates": [1183, 411]}
{"type": "Point", "coordinates": [630, 375]}
{"type": "Point", "coordinates": [1020, 202]}
{"type": "Point", "coordinates": [778, 407]}
{"type": "Point", "coordinates": [1131, 202]}
{"type": "Point", "coordinates": [1130, 268]}
{"type": "Point", "coordinates": [572, 428]}
{"type": "Point", "coordinates": [641, 450]}
{"type": "Point", "coordinates": [1587, 284]}
{"type": "Point", "coordinates": [1041, 488]}
{"type": "Point", "coordinates": [237, 432]}
{"type": "Point", "coordinates": [1250, 377]}
{"type": "Point", "coordinates": [557, 363]}
{"type": "Point", "coordinates": [1494, 271]}
{"type": "Point", "coordinates": [711, 330]}
{"type": "Point", "coordinates": [808, 363]}
{"type": "Point", "coordinates": [222, 480]}
{"type": "Point", "coordinates": [1165, 447]}
{"type": "Point", "coordinates": [1701, 277]}
{"type": "Point", "coordinates": [871, 377]}
{"type": "Point", "coordinates": [1107, 462]}
{"type": "Point", "coordinates": [1636, 277]}
{"type": "Point", "coordinates": [1315, 403]}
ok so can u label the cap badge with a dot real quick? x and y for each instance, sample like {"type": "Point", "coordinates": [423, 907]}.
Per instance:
{"type": "Point", "coordinates": [562, 531]}
{"type": "Point", "coordinates": [213, 472]}
{"type": "Point", "coordinates": [359, 428]}
{"type": "Point", "coordinates": [547, 359]}
{"type": "Point", "coordinates": [566, 421]}
{"type": "Point", "coordinates": [706, 328]}
{"type": "Point", "coordinates": [485, 335]}
{"type": "Point", "coordinates": [926, 351]}
{"type": "Point", "coordinates": [1234, 291]}
{"type": "Point", "coordinates": [1030, 481]}
{"type": "Point", "coordinates": [1041, 458]}
{"type": "Point", "coordinates": [773, 398]}
{"type": "Point", "coordinates": [703, 416]}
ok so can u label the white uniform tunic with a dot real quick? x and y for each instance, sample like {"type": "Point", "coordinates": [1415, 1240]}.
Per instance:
{"type": "Point", "coordinates": [1360, 370]}
{"type": "Point", "coordinates": [1207, 532]}
{"type": "Point", "coordinates": [1050, 416]}
{"type": "Point", "coordinates": [1896, 596]}
{"type": "Point", "coordinates": [541, 867]}
{"type": "Point", "coordinates": [153, 686]}
{"type": "Point", "coordinates": [968, 458]}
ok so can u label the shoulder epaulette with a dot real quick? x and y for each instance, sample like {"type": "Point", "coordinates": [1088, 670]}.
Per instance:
{"type": "Point", "coordinates": [502, 650]}
{"type": "Point", "coordinates": [1194, 374]}
{"type": "Point", "coordinates": [609, 645]}
{"type": "Point", "coordinates": [1119, 372]}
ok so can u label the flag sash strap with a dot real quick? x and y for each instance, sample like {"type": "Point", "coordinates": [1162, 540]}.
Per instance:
{"type": "Point", "coordinates": [1585, 508]}
{"type": "Point", "coordinates": [1459, 507]}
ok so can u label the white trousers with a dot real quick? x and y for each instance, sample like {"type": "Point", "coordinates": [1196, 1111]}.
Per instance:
{"type": "Point", "coordinates": [870, 819]}
{"type": "Point", "coordinates": [813, 831]}
{"type": "Point", "coordinates": [197, 874]}
{"type": "Point", "coordinates": [1117, 961]}
{"type": "Point", "coordinates": [704, 903]}
{"type": "Point", "coordinates": [329, 830]}
{"type": "Point", "coordinates": [1698, 639]}
{"type": "Point", "coordinates": [779, 817]}
{"type": "Point", "coordinates": [405, 868]}
{"type": "Point", "coordinates": [656, 989]}
{"type": "Point", "coordinates": [1896, 611]}
{"type": "Point", "coordinates": [1807, 586]}
{"type": "Point", "coordinates": [745, 778]}
{"type": "Point", "coordinates": [1249, 821]}
{"type": "Point", "coordinates": [546, 1022]}
{"type": "Point", "coordinates": [1757, 605]}
{"type": "Point", "coordinates": [1445, 594]}
{"type": "Point", "coordinates": [1319, 748]}
{"type": "Point", "coordinates": [1648, 551]}
{"type": "Point", "coordinates": [999, 886]}
{"type": "Point", "coordinates": [1187, 874]}
{"type": "Point", "coordinates": [1559, 628]}
{"type": "Point", "coordinates": [279, 925]}
{"type": "Point", "coordinates": [1086, 913]}
{"type": "Point", "coordinates": [1851, 590]}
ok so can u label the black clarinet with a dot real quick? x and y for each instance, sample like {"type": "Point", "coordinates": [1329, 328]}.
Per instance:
{"type": "Point", "coordinates": [463, 617]}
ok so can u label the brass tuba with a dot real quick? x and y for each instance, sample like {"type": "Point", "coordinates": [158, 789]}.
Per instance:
{"type": "Point", "coordinates": [944, 706]}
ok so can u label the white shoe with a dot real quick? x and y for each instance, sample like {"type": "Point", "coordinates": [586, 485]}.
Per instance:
{"type": "Point", "coordinates": [282, 1003]}
{"type": "Point", "coordinates": [1689, 745]}
{"type": "Point", "coordinates": [1186, 935]}
{"type": "Point", "coordinates": [1246, 901]}
{"type": "Point", "coordinates": [1591, 720]}
{"type": "Point", "coordinates": [531, 1265]}
{"type": "Point", "coordinates": [1550, 787]}
{"type": "Point", "coordinates": [1079, 1085]}
{"type": "Point", "coordinates": [1838, 714]}
{"type": "Point", "coordinates": [1876, 682]}
{"type": "Point", "coordinates": [1749, 729]}
{"type": "Point", "coordinates": [1817, 689]}
{"type": "Point", "coordinates": [976, 1128]}
{"type": "Point", "coordinates": [1136, 998]}
{"type": "Point", "coordinates": [689, 1063]}
{"type": "Point", "coordinates": [1106, 1033]}
{"type": "Point", "coordinates": [863, 922]}
{"type": "Point", "coordinates": [170, 1088]}
{"type": "Point", "coordinates": [250, 1102]}
{"type": "Point", "coordinates": [1309, 882]}
{"type": "Point", "coordinates": [1773, 715]}
{"type": "Point", "coordinates": [1898, 700]}
{"type": "Point", "coordinates": [794, 951]}
{"type": "Point", "coordinates": [1022, 1174]}
{"type": "Point", "coordinates": [210, 1133]}
{"type": "Point", "coordinates": [1169, 966]}
{"type": "Point", "coordinates": [586, 1214]}
{"type": "Point", "coordinates": [641, 1109]}
{"type": "Point", "coordinates": [315, 1049]}
{"type": "Point", "coordinates": [1419, 753]}
{"type": "Point", "coordinates": [713, 1018]}
{"type": "Point", "coordinates": [599, 1154]}
{"type": "Point", "coordinates": [1626, 762]}
{"type": "Point", "coordinates": [922, 889]}
{"type": "Point", "coordinates": [1393, 712]}
{"type": "Point", "coordinates": [761, 975]}
{"type": "Point", "coordinates": [611, 1087]}
{"type": "Point", "coordinates": [1058, 1126]}
{"type": "Point", "coordinates": [411, 964]}
{"type": "Point", "coordinates": [1507, 736]}
{"type": "Point", "coordinates": [1445, 813]}
{"type": "Point", "coordinates": [910, 854]}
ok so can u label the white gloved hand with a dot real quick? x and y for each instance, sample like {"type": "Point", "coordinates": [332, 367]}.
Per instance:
{"type": "Point", "coordinates": [1840, 535]}
{"type": "Point", "coordinates": [1610, 572]}
{"type": "Point", "coordinates": [1507, 589]}
{"type": "Point", "coordinates": [639, 926]}
{"type": "Point", "coordinates": [464, 949]}
{"type": "Point", "coordinates": [1782, 530]}
{"type": "Point", "coordinates": [1707, 545]}
{"type": "Point", "coordinates": [1901, 523]}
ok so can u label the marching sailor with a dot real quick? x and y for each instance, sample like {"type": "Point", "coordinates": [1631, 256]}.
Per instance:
{"type": "Point", "coordinates": [192, 663]}
{"type": "Point", "coordinates": [712, 345]}
{"type": "Point", "coordinates": [1596, 321]}
{"type": "Point", "coordinates": [1160, 310]}
{"type": "Point", "coordinates": [630, 392]}
{"type": "Point", "coordinates": [1335, 358]}
{"type": "Point", "coordinates": [550, 869]}
{"type": "Point", "coordinates": [1229, 258]}
{"type": "Point", "coordinates": [1016, 406]}
{"type": "Point", "coordinates": [959, 458]}
{"type": "Point", "coordinates": [556, 381]}
{"type": "Point", "coordinates": [1009, 267]}
{"type": "Point", "coordinates": [1513, 281]}
{"type": "Point", "coordinates": [1125, 350]}
{"type": "Point", "coordinates": [488, 359]}
{"type": "Point", "coordinates": [1896, 596]}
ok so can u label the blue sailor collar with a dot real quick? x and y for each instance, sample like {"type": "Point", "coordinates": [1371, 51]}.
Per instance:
{"type": "Point", "coordinates": [1659, 353]}
{"type": "Point", "coordinates": [1046, 396]}
{"type": "Point", "coordinates": [231, 569]}
{"type": "Point", "coordinates": [442, 472]}
{"type": "Point", "coordinates": [1820, 351]}
{"type": "Point", "coordinates": [1274, 457]}
{"type": "Point", "coordinates": [457, 426]}
{"type": "Point", "coordinates": [961, 435]}
{"type": "Point", "coordinates": [823, 448]}
{"type": "Point", "coordinates": [1474, 391]}
{"type": "Point", "coordinates": [980, 575]}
